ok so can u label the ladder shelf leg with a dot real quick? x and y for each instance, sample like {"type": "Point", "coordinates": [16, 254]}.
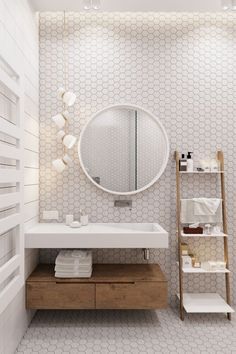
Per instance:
{"type": "Point", "coordinates": [220, 157]}
{"type": "Point", "coordinates": [181, 308]}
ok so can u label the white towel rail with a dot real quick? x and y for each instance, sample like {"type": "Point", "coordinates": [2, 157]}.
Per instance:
{"type": "Point", "coordinates": [9, 152]}
{"type": "Point", "coordinates": [9, 128]}
{"type": "Point", "coordinates": [8, 175]}
{"type": "Point", "coordinates": [9, 199]}
{"type": "Point", "coordinates": [11, 177]}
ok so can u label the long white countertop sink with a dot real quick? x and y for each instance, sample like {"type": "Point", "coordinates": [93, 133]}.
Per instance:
{"type": "Point", "coordinates": [97, 235]}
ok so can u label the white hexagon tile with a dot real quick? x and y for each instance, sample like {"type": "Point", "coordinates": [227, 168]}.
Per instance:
{"type": "Point", "coordinates": [126, 332]}
{"type": "Point", "coordinates": [180, 67]}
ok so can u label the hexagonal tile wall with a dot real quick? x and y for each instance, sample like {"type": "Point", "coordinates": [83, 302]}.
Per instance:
{"type": "Point", "coordinates": [181, 67]}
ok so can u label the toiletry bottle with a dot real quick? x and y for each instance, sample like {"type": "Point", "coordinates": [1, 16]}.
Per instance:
{"type": "Point", "coordinates": [69, 219]}
{"type": "Point", "coordinates": [83, 218]}
{"type": "Point", "coordinates": [183, 163]}
{"type": "Point", "coordinates": [189, 162]}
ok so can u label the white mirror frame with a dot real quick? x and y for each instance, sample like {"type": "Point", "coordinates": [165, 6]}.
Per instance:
{"type": "Point", "coordinates": [130, 106]}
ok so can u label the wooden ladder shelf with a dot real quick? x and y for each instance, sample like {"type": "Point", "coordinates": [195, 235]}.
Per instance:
{"type": "Point", "coordinates": [202, 302]}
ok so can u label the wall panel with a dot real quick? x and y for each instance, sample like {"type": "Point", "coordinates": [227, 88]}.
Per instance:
{"type": "Point", "coordinates": [19, 48]}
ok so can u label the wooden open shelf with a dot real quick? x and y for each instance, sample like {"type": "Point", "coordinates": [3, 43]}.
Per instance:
{"type": "Point", "coordinates": [112, 286]}
{"type": "Point", "coordinates": [203, 302]}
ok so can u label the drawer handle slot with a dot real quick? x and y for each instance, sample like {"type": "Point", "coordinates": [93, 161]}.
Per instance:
{"type": "Point", "coordinates": [116, 283]}
{"type": "Point", "coordinates": [71, 282]}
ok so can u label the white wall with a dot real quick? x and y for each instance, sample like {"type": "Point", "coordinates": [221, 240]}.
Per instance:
{"type": "Point", "coordinates": [131, 5]}
{"type": "Point", "coordinates": [19, 44]}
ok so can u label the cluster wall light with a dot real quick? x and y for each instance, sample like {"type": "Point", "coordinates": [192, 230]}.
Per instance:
{"type": "Point", "coordinates": [61, 120]}
{"type": "Point", "coordinates": [91, 4]}
{"type": "Point", "coordinates": [228, 5]}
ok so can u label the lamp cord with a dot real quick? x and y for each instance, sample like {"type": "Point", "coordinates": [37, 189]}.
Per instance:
{"type": "Point", "coordinates": [66, 74]}
{"type": "Point", "coordinates": [65, 71]}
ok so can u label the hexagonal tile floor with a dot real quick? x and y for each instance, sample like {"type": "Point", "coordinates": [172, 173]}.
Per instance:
{"type": "Point", "coordinates": [121, 332]}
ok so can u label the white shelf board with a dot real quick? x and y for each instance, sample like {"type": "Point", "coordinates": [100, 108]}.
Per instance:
{"type": "Point", "coordinates": [201, 172]}
{"type": "Point", "coordinates": [203, 235]}
{"type": "Point", "coordinates": [205, 303]}
{"type": "Point", "coordinates": [201, 270]}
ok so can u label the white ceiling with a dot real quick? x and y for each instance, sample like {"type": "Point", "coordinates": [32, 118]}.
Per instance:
{"type": "Point", "coordinates": [131, 5]}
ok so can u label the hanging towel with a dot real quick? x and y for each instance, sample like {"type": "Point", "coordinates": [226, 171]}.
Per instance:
{"type": "Point", "coordinates": [188, 216]}
{"type": "Point", "coordinates": [206, 206]}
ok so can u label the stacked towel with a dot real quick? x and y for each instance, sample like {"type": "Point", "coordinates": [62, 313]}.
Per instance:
{"type": "Point", "coordinates": [74, 264]}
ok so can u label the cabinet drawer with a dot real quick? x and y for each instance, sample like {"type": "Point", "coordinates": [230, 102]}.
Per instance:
{"type": "Point", "coordinates": [52, 295]}
{"type": "Point", "coordinates": [139, 295]}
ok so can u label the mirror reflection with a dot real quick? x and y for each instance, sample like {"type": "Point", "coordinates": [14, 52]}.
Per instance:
{"type": "Point", "coordinates": [123, 149]}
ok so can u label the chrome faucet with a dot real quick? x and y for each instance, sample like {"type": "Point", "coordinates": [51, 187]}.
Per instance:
{"type": "Point", "coordinates": [123, 203]}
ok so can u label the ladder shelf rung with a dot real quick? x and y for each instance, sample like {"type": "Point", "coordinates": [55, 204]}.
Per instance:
{"type": "Point", "coordinates": [201, 172]}
{"type": "Point", "coordinates": [204, 235]}
{"type": "Point", "coordinates": [203, 271]}
{"type": "Point", "coordinates": [195, 270]}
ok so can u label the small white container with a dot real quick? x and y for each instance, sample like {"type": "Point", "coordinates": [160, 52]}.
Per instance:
{"type": "Point", "coordinates": [205, 165]}
{"type": "Point", "coordinates": [69, 219]}
{"type": "Point", "coordinates": [216, 230]}
{"type": "Point", "coordinates": [186, 262]}
{"type": "Point", "coordinates": [214, 165]}
{"type": "Point", "coordinates": [220, 265]}
{"type": "Point", "coordinates": [207, 229]}
{"type": "Point", "coordinates": [84, 220]}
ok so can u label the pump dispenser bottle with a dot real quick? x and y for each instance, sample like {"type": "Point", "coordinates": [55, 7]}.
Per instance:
{"type": "Point", "coordinates": [183, 163]}
{"type": "Point", "coordinates": [189, 162]}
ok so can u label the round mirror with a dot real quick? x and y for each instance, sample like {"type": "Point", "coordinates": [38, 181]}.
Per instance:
{"type": "Point", "coordinates": [123, 149]}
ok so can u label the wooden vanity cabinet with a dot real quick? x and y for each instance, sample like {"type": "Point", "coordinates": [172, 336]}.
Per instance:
{"type": "Point", "coordinates": [112, 286]}
{"type": "Point", "coordinates": [53, 295]}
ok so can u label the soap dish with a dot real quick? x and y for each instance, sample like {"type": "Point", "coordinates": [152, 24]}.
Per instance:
{"type": "Point", "coordinates": [75, 224]}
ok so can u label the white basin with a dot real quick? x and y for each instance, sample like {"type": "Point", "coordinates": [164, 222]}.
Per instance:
{"type": "Point", "coordinates": [97, 235]}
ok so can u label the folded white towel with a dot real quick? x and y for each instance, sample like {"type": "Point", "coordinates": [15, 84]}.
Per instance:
{"type": "Point", "coordinates": [80, 253]}
{"type": "Point", "coordinates": [67, 269]}
{"type": "Point", "coordinates": [206, 206]}
{"type": "Point", "coordinates": [74, 257]}
{"type": "Point", "coordinates": [72, 262]}
{"type": "Point", "coordinates": [71, 254]}
{"type": "Point", "coordinates": [73, 275]}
